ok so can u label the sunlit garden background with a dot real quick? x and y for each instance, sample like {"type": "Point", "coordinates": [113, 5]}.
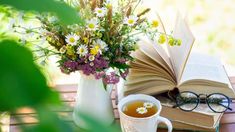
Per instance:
{"type": "Point", "coordinates": [211, 21]}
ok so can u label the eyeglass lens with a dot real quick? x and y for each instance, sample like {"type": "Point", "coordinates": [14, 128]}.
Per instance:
{"type": "Point", "coordinates": [187, 101]}
{"type": "Point", "coordinates": [218, 102]}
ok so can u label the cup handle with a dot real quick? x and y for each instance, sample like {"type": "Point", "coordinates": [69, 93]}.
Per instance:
{"type": "Point", "coordinates": [166, 121]}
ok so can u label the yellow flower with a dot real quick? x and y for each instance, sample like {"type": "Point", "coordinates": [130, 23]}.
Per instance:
{"type": "Point", "coordinates": [162, 39]}
{"type": "Point", "coordinates": [108, 5]}
{"type": "Point", "coordinates": [171, 41]}
{"type": "Point", "coordinates": [95, 50]}
{"type": "Point", "coordinates": [155, 23]}
{"type": "Point", "coordinates": [85, 39]}
{"type": "Point", "coordinates": [70, 50]}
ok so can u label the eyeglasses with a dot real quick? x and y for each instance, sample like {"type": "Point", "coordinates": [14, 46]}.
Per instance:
{"type": "Point", "coordinates": [188, 101]}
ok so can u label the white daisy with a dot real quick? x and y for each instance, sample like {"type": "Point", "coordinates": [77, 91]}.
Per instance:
{"type": "Point", "coordinates": [82, 50]}
{"type": "Point", "coordinates": [72, 39]}
{"type": "Point", "coordinates": [100, 12]}
{"type": "Point", "coordinates": [131, 20]}
{"type": "Point", "coordinates": [148, 105]}
{"type": "Point", "coordinates": [100, 44]}
{"type": "Point", "coordinates": [92, 24]}
{"type": "Point", "coordinates": [141, 110]}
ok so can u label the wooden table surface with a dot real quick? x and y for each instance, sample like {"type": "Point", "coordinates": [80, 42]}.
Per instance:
{"type": "Point", "coordinates": [68, 94]}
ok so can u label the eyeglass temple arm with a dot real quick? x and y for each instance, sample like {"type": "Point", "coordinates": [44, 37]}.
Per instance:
{"type": "Point", "coordinates": [177, 105]}
{"type": "Point", "coordinates": [226, 106]}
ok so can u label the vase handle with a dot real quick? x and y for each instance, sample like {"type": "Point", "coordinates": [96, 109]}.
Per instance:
{"type": "Point", "coordinates": [109, 88]}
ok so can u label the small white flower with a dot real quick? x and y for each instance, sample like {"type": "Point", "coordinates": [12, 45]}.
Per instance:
{"type": "Point", "coordinates": [63, 49]}
{"type": "Point", "coordinates": [141, 110]}
{"type": "Point", "coordinates": [43, 32]}
{"type": "Point", "coordinates": [52, 19]}
{"type": "Point", "coordinates": [72, 39]}
{"type": "Point", "coordinates": [131, 20]}
{"type": "Point", "coordinates": [92, 24]}
{"type": "Point", "coordinates": [82, 50]}
{"type": "Point", "coordinates": [20, 17]}
{"type": "Point", "coordinates": [92, 64]}
{"type": "Point", "coordinates": [101, 45]}
{"type": "Point", "coordinates": [100, 12]}
{"type": "Point", "coordinates": [11, 24]}
{"type": "Point", "coordinates": [42, 40]}
{"type": "Point", "coordinates": [148, 105]}
{"type": "Point", "coordinates": [91, 58]}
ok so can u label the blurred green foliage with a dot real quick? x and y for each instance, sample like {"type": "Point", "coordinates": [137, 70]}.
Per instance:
{"type": "Point", "coordinates": [21, 82]}
{"type": "Point", "coordinates": [67, 14]}
{"type": "Point", "coordinates": [23, 85]}
{"type": "Point", "coordinates": [21, 79]}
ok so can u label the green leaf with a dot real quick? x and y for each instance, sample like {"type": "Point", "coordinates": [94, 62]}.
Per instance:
{"type": "Point", "coordinates": [49, 122]}
{"type": "Point", "coordinates": [96, 125]}
{"type": "Point", "coordinates": [21, 82]}
{"type": "Point", "coordinates": [66, 14]}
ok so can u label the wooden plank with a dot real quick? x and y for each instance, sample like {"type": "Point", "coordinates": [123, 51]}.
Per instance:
{"type": "Point", "coordinates": [32, 118]}
{"type": "Point", "coordinates": [227, 128]}
{"type": "Point", "coordinates": [228, 119]}
{"type": "Point", "coordinates": [66, 88]}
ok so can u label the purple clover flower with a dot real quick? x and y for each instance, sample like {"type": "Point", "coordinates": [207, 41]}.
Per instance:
{"type": "Point", "coordinates": [71, 65]}
{"type": "Point", "coordinates": [99, 75]}
{"type": "Point", "coordinates": [125, 73]}
{"type": "Point", "coordinates": [111, 79]}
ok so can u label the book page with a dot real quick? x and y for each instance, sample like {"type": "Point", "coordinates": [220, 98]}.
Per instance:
{"type": "Point", "coordinates": [179, 54]}
{"type": "Point", "coordinates": [204, 67]}
{"type": "Point", "coordinates": [147, 47]}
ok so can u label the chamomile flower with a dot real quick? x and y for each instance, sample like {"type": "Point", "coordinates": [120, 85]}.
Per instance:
{"type": "Point", "coordinates": [82, 50]}
{"type": "Point", "coordinates": [100, 12]}
{"type": "Point", "coordinates": [92, 24]}
{"type": "Point", "coordinates": [101, 45]}
{"type": "Point", "coordinates": [131, 20]}
{"type": "Point", "coordinates": [148, 105]}
{"type": "Point", "coordinates": [72, 39]}
{"type": "Point", "coordinates": [91, 58]}
{"type": "Point", "coordinates": [141, 110]}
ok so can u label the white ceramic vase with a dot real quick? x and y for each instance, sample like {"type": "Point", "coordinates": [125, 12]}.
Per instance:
{"type": "Point", "coordinates": [93, 100]}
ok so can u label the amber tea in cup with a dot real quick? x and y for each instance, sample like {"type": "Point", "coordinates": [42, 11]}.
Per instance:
{"type": "Point", "coordinates": [139, 109]}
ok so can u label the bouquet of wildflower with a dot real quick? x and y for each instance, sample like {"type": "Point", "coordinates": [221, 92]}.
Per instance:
{"type": "Point", "coordinates": [104, 40]}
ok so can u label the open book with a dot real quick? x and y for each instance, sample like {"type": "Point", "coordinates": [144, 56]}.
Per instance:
{"type": "Point", "coordinates": [155, 70]}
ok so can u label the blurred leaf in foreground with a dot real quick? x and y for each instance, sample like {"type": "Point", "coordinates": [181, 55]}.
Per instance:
{"type": "Point", "coordinates": [66, 14]}
{"type": "Point", "coordinates": [21, 82]}
{"type": "Point", "coordinates": [97, 126]}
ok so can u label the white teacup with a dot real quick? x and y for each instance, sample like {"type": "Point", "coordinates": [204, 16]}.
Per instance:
{"type": "Point", "coordinates": [147, 124]}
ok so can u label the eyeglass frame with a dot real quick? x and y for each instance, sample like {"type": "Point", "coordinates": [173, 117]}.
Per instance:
{"type": "Point", "coordinates": [206, 101]}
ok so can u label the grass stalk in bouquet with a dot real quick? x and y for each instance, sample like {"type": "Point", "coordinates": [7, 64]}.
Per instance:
{"type": "Point", "coordinates": [105, 40]}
